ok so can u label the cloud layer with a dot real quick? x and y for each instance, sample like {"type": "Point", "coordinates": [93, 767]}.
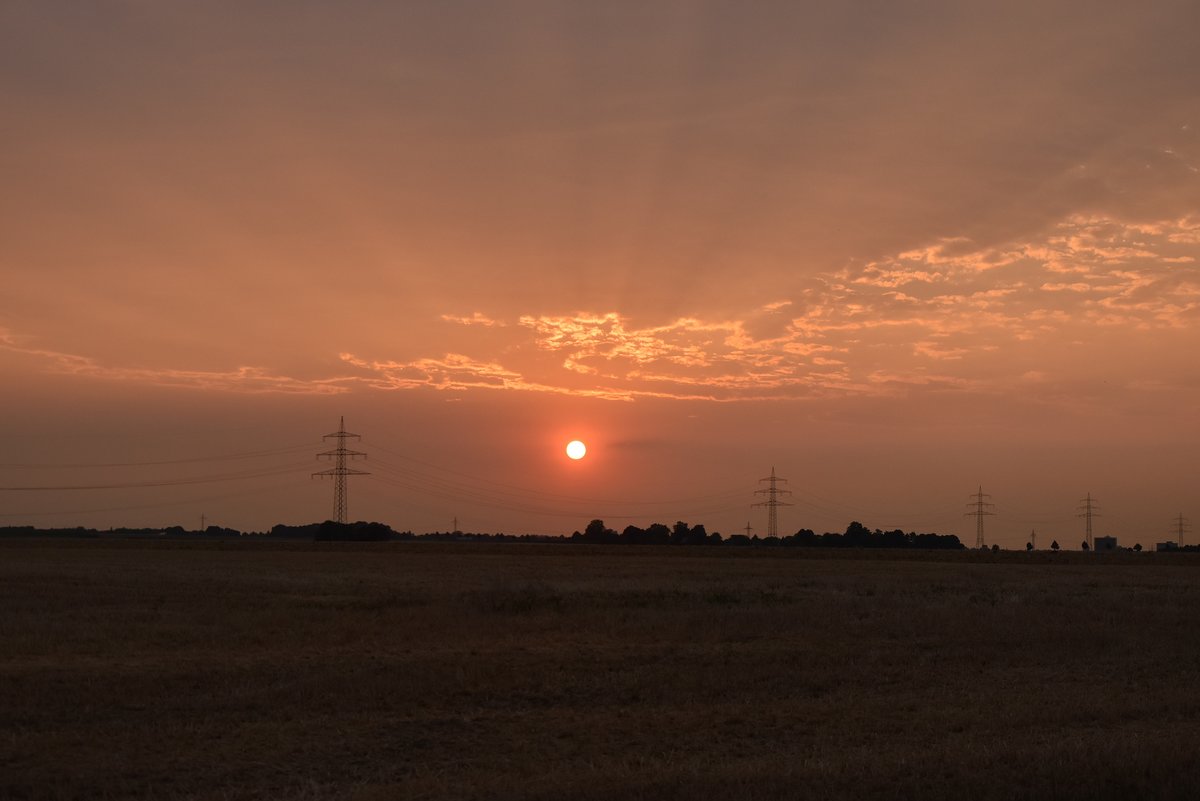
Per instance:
{"type": "Point", "coordinates": [948, 315]}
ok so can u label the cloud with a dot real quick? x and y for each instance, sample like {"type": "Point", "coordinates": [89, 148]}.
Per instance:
{"type": "Point", "coordinates": [934, 350]}
{"type": "Point", "coordinates": [246, 380]}
{"type": "Point", "coordinates": [967, 309]}
{"type": "Point", "coordinates": [1078, 286]}
{"type": "Point", "coordinates": [1128, 272]}
{"type": "Point", "coordinates": [455, 371]}
{"type": "Point", "coordinates": [852, 332]}
{"type": "Point", "coordinates": [476, 318]}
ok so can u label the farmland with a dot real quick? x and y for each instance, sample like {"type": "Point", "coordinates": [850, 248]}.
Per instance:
{"type": "Point", "coordinates": [235, 669]}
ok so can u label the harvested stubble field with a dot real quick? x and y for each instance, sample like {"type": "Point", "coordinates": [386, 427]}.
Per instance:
{"type": "Point", "coordinates": [136, 669]}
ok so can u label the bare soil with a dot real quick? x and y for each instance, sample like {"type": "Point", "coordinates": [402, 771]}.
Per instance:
{"type": "Point", "coordinates": [227, 670]}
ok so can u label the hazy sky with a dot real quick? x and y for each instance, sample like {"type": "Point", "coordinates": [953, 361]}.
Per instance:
{"type": "Point", "coordinates": [896, 250]}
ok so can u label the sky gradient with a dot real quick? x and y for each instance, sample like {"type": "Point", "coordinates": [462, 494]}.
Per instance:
{"type": "Point", "coordinates": [894, 250]}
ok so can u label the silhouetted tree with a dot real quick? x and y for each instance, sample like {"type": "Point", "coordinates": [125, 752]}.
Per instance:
{"type": "Point", "coordinates": [1083, 545]}
{"type": "Point", "coordinates": [658, 534]}
{"type": "Point", "coordinates": [596, 531]}
{"type": "Point", "coordinates": [353, 532]}
{"type": "Point", "coordinates": [803, 537]}
{"type": "Point", "coordinates": [309, 531]}
{"type": "Point", "coordinates": [1138, 547]}
{"type": "Point", "coordinates": [995, 548]}
{"type": "Point", "coordinates": [1029, 546]}
{"type": "Point", "coordinates": [1054, 546]}
{"type": "Point", "coordinates": [857, 535]}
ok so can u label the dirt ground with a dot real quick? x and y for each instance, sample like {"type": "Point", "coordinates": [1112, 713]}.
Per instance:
{"type": "Point", "coordinates": [216, 670]}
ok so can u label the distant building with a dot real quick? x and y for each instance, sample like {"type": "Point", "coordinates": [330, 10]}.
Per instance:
{"type": "Point", "coordinates": [1166, 546]}
{"type": "Point", "coordinates": [1101, 544]}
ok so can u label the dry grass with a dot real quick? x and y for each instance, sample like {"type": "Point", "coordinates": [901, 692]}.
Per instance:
{"type": "Point", "coordinates": [403, 670]}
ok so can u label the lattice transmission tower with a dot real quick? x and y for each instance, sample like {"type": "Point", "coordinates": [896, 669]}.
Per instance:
{"type": "Point", "coordinates": [1181, 526]}
{"type": "Point", "coordinates": [339, 471]}
{"type": "Point", "coordinates": [980, 509]}
{"type": "Point", "coordinates": [772, 502]}
{"type": "Point", "coordinates": [1088, 508]}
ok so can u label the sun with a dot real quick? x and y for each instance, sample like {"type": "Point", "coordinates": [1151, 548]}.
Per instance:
{"type": "Point", "coordinates": [576, 449]}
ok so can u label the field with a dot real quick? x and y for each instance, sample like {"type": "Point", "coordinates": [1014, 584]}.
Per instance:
{"type": "Point", "coordinates": [215, 670]}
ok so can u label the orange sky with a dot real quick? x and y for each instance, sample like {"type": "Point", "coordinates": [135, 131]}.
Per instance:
{"type": "Point", "coordinates": [896, 250]}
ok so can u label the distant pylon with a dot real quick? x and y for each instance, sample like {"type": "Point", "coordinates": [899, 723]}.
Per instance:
{"type": "Point", "coordinates": [772, 502]}
{"type": "Point", "coordinates": [1182, 526]}
{"type": "Point", "coordinates": [1088, 508]}
{"type": "Point", "coordinates": [1033, 538]}
{"type": "Point", "coordinates": [748, 529]}
{"type": "Point", "coordinates": [979, 510]}
{"type": "Point", "coordinates": [339, 471]}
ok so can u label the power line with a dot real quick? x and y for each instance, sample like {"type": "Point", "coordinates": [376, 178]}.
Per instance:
{"type": "Point", "coordinates": [536, 502]}
{"type": "Point", "coordinates": [377, 462]}
{"type": "Point", "coordinates": [339, 471]}
{"type": "Point", "coordinates": [509, 490]}
{"type": "Point", "coordinates": [154, 483]}
{"type": "Point", "coordinates": [453, 482]}
{"type": "Point", "coordinates": [517, 504]}
{"type": "Point", "coordinates": [155, 463]}
{"type": "Point", "coordinates": [157, 505]}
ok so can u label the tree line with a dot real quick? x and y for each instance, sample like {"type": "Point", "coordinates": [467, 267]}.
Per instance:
{"type": "Point", "coordinates": [856, 535]}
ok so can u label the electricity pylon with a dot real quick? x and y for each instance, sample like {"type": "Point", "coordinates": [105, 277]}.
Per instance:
{"type": "Point", "coordinates": [1088, 508]}
{"type": "Point", "coordinates": [1182, 526]}
{"type": "Point", "coordinates": [772, 502]}
{"type": "Point", "coordinates": [339, 471]}
{"type": "Point", "coordinates": [979, 510]}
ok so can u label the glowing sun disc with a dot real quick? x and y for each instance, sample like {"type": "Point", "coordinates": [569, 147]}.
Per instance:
{"type": "Point", "coordinates": [576, 449]}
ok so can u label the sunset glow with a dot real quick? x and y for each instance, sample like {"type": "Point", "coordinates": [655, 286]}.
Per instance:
{"type": "Point", "coordinates": [895, 254]}
{"type": "Point", "coordinates": [599, 399]}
